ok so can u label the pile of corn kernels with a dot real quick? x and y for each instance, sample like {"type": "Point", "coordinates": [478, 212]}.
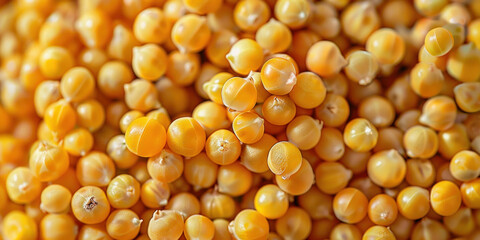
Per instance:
{"type": "Point", "coordinates": [240, 119]}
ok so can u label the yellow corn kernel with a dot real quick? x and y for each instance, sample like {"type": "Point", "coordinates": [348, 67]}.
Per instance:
{"type": "Point", "coordinates": [465, 165]}
{"type": "Point", "coordinates": [123, 191]}
{"type": "Point", "coordinates": [462, 61]}
{"type": "Point", "coordinates": [48, 162]}
{"type": "Point", "coordinates": [91, 114]}
{"type": "Point", "coordinates": [430, 8]}
{"type": "Point", "coordinates": [350, 205]}
{"type": "Point", "coordinates": [141, 95]}
{"type": "Point", "coordinates": [274, 36]}
{"type": "Point", "coordinates": [249, 224]}
{"type": "Point", "coordinates": [22, 185]}
{"type": "Point", "coordinates": [362, 67]}
{"type": "Point", "coordinates": [379, 232]}
{"type": "Point", "coordinates": [294, 14]}
{"type": "Point", "coordinates": [234, 179]}
{"type": "Point", "coordinates": [46, 93]}
{"type": "Point", "coordinates": [161, 115]}
{"type": "Point", "coordinates": [55, 61]}
{"type": "Point", "coordinates": [279, 110]}
{"type": "Point", "coordinates": [60, 117]}
{"type": "Point", "coordinates": [248, 127]}
{"type": "Point", "coordinates": [184, 202]}
{"type": "Point", "coordinates": [95, 28]}
{"type": "Point", "coordinates": [386, 40]}
{"type": "Point", "coordinates": [154, 194]}
{"type": "Point", "coordinates": [128, 118]}
{"type": "Point", "coordinates": [191, 33]}
{"type": "Point", "coordinates": [438, 42]}
{"type": "Point", "coordinates": [439, 113]}
{"type": "Point", "coordinates": [471, 193]}
{"type": "Point", "coordinates": [95, 169]}
{"type": "Point", "coordinates": [250, 15]}
{"type": "Point", "coordinates": [185, 136]}
{"type": "Point", "coordinates": [123, 224]}
{"type": "Point", "coordinates": [183, 68]}
{"type": "Point", "coordinates": [58, 226]}
{"type": "Point", "coordinates": [284, 159]}
{"type": "Point", "coordinates": [467, 96]}
{"type": "Point", "coordinates": [55, 199]}
{"type": "Point", "coordinates": [111, 78]}
{"type": "Point", "coordinates": [299, 182]}
{"type": "Point", "coordinates": [420, 142]}
{"type": "Point", "coordinates": [360, 20]}
{"type": "Point", "coordinates": [90, 205]}
{"type": "Point", "coordinates": [245, 55]}
{"type": "Point", "coordinates": [166, 224]}
{"type": "Point", "coordinates": [413, 202]}
{"type": "Point", "coordinates": [211, 116]}
{"type": "Point", "coordinates": [18, 225]}
{"type": "Point", "coordinates": [461, 223]}
{"type": "Point", "coordinates": [254, 156]}
{"type": "Point", "coordinates": [199, 227]}
{"type": "Point", "coordinates": [387, 168]}
{"type": "Point", "coordinates": [445, 198]}
{"type": "Point", "coordinates": [151, 26]}
{"type": "Point", "coordinates": [217, 205]}
{"type": "Point", "coordinates": [325, 59]}
{"type": "Point", "coordinates": [203, 6]}
{"type": "Point", "coordinates": [214, 86]}
{"type": "Point", "coordinates": [420, 172]}
{"type": "Point", "coordinates": [122, 43]}
{"type": "Point", "coordinates": [200, 171]}
{"type": "Point", "coordinates": [360, 135]}
{"type": "Point", "coordinates": [219, 45]}
{"type": "Point", "coordinates": [77, 84]}
{"type": "Point", "coordinates": [426, 79]}
{"type": "Point", "coordinates": [145, 137]}
{"type": "Point", "coordinates": [78, 142]}
{"type": "Point", "coordinates": [327, 171]}
{"type": "Point", "coordinates": [166, 166]}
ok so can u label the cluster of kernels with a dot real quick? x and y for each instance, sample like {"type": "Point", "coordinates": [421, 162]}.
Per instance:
{"type": "Point", "coordinates": [239, 119]}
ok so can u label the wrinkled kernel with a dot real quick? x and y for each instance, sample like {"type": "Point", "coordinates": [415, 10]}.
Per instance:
{"type": "Point", "coordinates": [90, 205]}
